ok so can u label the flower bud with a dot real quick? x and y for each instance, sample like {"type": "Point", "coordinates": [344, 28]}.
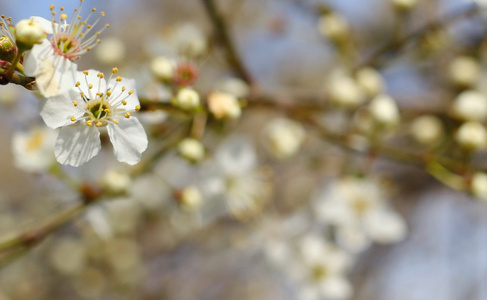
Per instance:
{"type": "Point", "coordinates": [187, 98]}
{"type": "Point", "coordinates": [471, 136]}
{"type": "Point", "coordinates": [427, 130]}
{"type": "Point", "coordinates": [28, 33]}
{"type": "Point", "coordinates": [478, 185]}
{"type": "Point", "coordinates": [111, 51]}
{"type": "Point", "coordinates": [8, 49]}
{"type": "Point", "coordinates": [384, 110]}
{"type": "Point", "coordinates": [334, 27]}
{"type": "Point", "coordinates": [191, 149]}
{"type": "Point", "coordinates": [224, 106]}
{"type": "Point", "coordinates": [464, 71]}
{"type": "Point", "coordinates": [116, 181]}
{"type": "Point", "coordinates": [344, 91]}
{"type": "Point", "coordinates": [163, 68]}
{"type": "Point", "coordinates": [283, 137]}
{"type": "Point", "coordinates": [190, 198]}
{"type": "Point", "coordinates": [370, 81]}
{"type": "Point", "coordinates": [470, 106]}
{"type": "Point", "coordinates": [404, 5]}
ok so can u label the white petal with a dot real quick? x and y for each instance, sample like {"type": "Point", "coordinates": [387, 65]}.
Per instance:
{"type": "Point", "coordinates": [55, 75]}
{"type": "Point", "coordinates": [129, 140]}
{"type": "Point", "coordinates": [77, 144]}
{"type": "Point", "coordinates": [46, 24]}
{"type": "Point", "coordinates": [57, 111]}
{"type": "Point", "coordinates": [32, 61]}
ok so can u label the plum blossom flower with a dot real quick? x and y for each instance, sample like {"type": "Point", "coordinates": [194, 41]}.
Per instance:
{"type": "Point", "coordinates": [52, 61]}
{"type": "Point", "coordinates": [90, 106]}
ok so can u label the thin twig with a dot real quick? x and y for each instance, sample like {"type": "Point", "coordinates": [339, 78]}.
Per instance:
{"type": "Point", "coordinates": [221, 32]}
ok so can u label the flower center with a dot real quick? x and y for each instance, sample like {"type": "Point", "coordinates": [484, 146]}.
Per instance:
{"type": "Point", "coordinates": [66, 45]}
{"type": "Point", "coordinates": [98, 111]}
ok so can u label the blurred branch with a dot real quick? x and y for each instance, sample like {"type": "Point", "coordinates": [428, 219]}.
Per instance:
{"type": "Point", "coordinates": [397, 45]}
{"type": "Point", "coordinates": [221, 32]}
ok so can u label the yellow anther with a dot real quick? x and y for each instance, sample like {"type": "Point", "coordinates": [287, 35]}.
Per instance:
{"type": "Point", "coordinates": [81, 34]}
{"type": "Point", "coordinates": [115, 70]}
{"type": "Point", "coordinates": [107, 110]}
{"type": "Point", "coordinates": [119, 78]}
{"type": "Point", "coordinates": [137, 107]}
{"type": "Point", "coordinates": [89, 26]}
{"type": "Point", "coordinates": [107, 25]}
{"type": "Point", "coordinates": [90, 86]}
{"type": "Point", "coordinates": [109, 93]}
{"type": "Point", "coordinates": [72, 118]}
{"type": "Point", "coordinates": [82, 94]}
{"type": "Point", "coordinates": [102, 13]}
{"type": "Point", "coordinates": [98, 124]}
{"type": "Point", "coordinates": [77, 84]}
{"type": "Point", "coordinates": [51, 7]}
{"type": "Point", "coordinates": [123, 89]}
{"type": "Point", "coordinates": [89, 123]}
{"type": "Point", "coordinates": [127, 115]}
{"type": "Point", "coordinates": [131, 92]}
{"type": "Point", "coordinates": [124, 102]}
{"type": "Point", "coordinates": [101, 75]}
{"type": "Point", "coordinates": [98, 40]}
{"type": "Point", "coordinates": [62, 8]}
{"type": "Point", "coordinates": [64, 16]}
{"type": "Point", "coordinates": [85, 72]}
{"type": "Point", "coordinates": [93, 9]}
{"type": "Point", "coordinates": [75, 103]}
{"type": "Point", "coordinates": [53, 13]}
{"type": "Point", "coordinates": [88, 106]}
{"type": "Point", "coordinates": [98, 94]}
{"type": "Point", "coordinates": [79, 17]}
{"type": "Point", "coordinates": [88, 48]}
{"type": "Point", "coordinates": [97, 33]}
{"type": "Point", "coordinates": [115, 121]}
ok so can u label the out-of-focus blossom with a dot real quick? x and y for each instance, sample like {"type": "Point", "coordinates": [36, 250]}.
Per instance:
{"type": "Point", "coordinates": [479, 185]}
{"type": "Point", "coordinates": [384, 110]}
{"type": "Point", "coordinates": [111, 51]}
{"type": "Point", "coordinates": [34, 149]}
{"type": "Point", "coordinates": [333, 27]}
{"type": "Point", "coordinates": [404, 4]}
{"type": "Point", "coordinates": [283, 137]}
{"type": "Point", "coordinates": [116, 180]}
{"type": "Point", "coordinates": [163, 68]}
{"type": "Point", "coordinates": [359, 204]}
{"type": "Point", "coordinates": [234, 86]}
{"type": "Point", "coordinates": [344, 91]}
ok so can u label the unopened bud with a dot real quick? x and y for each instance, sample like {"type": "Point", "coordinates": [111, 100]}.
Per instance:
{"type": "Point", "coordinates": [464, 71]}
{"type": "Point", "coordinates": [478, 185]}
{"type": "Point", "coordinates": [384, 110]}
{"type": "Point", "coordinates": [191, 149]}
{"type": "Point", "coordinates": [427, 130]}
{"type": "Point", "coordinates": [370, 81]}
{"type": "Point", "coordinates": [224, 106]}
{"type": "Point", "coordinates": [8, 49]}
{"type": "Point", "coordinates": [190, 198]}
{"type": "Point", "coordinates": [28, 33]}
{"type": "Point", "coordinates": [471, 136]}
{"type": "Point", "coordinates": [334, 27]}
{"type": "Point", "coordinates": [404, 5]}
{"type": "Point", "coordinates": [188, 98]}
{"type": "Point", "coordinates": [344, 91]}
{"type": "Point", "coordinates": [470, 106]}
{"type": "Point", "coordinates": [163, 68]}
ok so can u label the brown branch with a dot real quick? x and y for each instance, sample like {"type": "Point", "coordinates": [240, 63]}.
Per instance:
{"type": "Point", "coordinates": [221, 32]}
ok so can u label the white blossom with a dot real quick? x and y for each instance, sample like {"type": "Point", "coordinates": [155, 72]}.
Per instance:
{"type": "Point", "coordinates": [90, 105]}
{"type": "Point", "coordinates": [33, 149]}
{"type": "Point", "coordinates": [470, 105]}
{"type": "Point", "coordinates": [52, 61]}
{"type": "Point", "coordinates": [224, 106]}
{"type": "Point", "coordinates": [283, 137]}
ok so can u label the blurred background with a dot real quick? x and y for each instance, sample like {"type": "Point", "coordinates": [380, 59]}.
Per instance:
{"type": "Point", "coordinates": [142, 245]}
